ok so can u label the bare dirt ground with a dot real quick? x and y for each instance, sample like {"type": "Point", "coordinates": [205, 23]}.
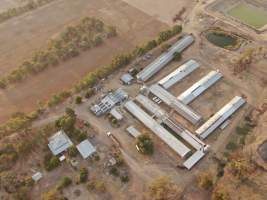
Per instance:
{"type": "Point", "coordinates": [21, 36]}
{"type": "Point", "coordinates": [163, 10]}
{"type": "Point", "coordinates": [7, 4]}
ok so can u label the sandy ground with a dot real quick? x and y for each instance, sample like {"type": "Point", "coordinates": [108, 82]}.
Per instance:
{"type": "Point", "coordinates": [32, 32]}
{"type": "Point", "coordinates": [164, 10]}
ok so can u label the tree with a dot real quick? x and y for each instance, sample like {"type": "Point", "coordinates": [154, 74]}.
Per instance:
{"type": "Point", "coordinates": [83, 176]}
{"type": "Point", "coordinates": [78, 100]}
{"type": "Point", "coordinates": [52, 195]}
{"type": "Point", "coordinates": [111, 32]}
{"type": "Point", "coordinates": [145, 144]}
{"type": "Point", "coordinates": [177, 56]}
{"type": "Point", "coordinates": [72, 151]}
{"type": "Point", "coordinates": [205, 181]}
{"type": "Point", "coordinates": [220, 195]}
{"type": "Point", "coordinates": [163, 188]}
{"type": "Point", "coordinates": [64, 182]}
{"type": "Point", "coordinates": [165, 47]}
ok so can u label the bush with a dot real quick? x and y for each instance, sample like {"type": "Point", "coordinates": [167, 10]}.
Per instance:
{"type": "Point", "coordinates": [83, 176]}
{"type": "Point", "coordinates": [165, 47]}
{"type": "Point", "coordinates": [220, 195]}
{"type": "Point", "coordinates": [65, 182]}
{"type": "Point", "coordinates": [90, 92]}
{"type": "Point", "coordinates": [205, 181]}
{"type": "Point", "coordinates": [78, 100]}
{"type": "Point", "coordinates": [145, 144]}
{"type": "Point", "coordinates": [177, 56]}
{"type": "Point", "coordinates": [125, 178]}
{"type": "Point", "coordinates": [50, 162]}
{"type": "Point", "coordinates": [72, 151]}
{"type": "Point", "coordinates": [97, 185]}
{"type": "Point", "coordinates": [114, 171]}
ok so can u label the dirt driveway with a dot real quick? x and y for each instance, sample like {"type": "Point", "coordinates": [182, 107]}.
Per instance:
{"type": "Point", "coordinates": [21, 36]}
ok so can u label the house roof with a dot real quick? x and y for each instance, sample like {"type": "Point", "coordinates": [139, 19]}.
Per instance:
{"type": "Point", "coordinates": [126, 78]}
{"type": "Point", "coordinates": [86, 149]}
{"type": "Point", "coordinates": [59, 142]}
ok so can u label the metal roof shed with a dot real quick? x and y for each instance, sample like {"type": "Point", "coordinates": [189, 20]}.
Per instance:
{"type": "Point", "coordinates": [222, 115]}
{"type": "Point", "coordinates": [154, 126]}
{"type": "Point", "coordinates": [116, 114]}
{"type": "Point", "coordinates": [173, 102]}
{"type": "Point", "coordinates": [59, 142]}
{"type": "Point", "coordinates": [127, 79]}
{"type": "Point", "coordinates": [192, 160]}
{"type": "Point", "coordinates": [165, 58]}
{"type": "Point", "coordinates": [133, 131]}
{"type": "Point", "coordinates": [178, 74]}
{"type": "Point", "coordinates": [199, 87]}
{"type": "Point", "coordinates": [86, 149]}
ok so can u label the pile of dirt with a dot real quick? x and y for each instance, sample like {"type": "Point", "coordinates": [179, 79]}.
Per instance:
{"type": "Point", "coordinates": [263, 150]}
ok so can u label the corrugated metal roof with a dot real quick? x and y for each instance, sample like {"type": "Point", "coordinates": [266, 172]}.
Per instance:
{"type": "Point", "coordinates": [178, 74]}
{"type": "Point", "coordinates": [165, 58]}
{"type": "Point", "coordinates": [161, 132]}
{"type": "Point", "coordinates": [192, 160]}
{"type": "Point", "coordinates": [59, 142]}
{"type": "Point", "coordinates": [115, 113]}
{"type": "Point", "coordinates": [150, 106]}
{"type": "Point", "coordinates": [217, 119]}
{"type": "Point", "coordinates": [133, 131]}
{"type": "Point", "coordinates": [173, 102]}
{"type": "Point", "coordinates": [199, 87]}
{"type": "Point", "coordinates": [86, 149]}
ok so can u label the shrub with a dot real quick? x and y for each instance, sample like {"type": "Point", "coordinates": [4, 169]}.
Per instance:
{"type": "Point", "coordinates": [78, 100]}
{"type": "Point", "coordinates": [124, 178]}
{"type": "Point", "coordinates": [220, 195]}
{"type": "Point", "coordinates": [72, 151]}
{"type": "Point", "coordinates": [97, 185]}
{"type": "Point", "coordinates": [205, 181]}
{"type": "Point", "coordinates": [83, 176]}
{"type": "Point", "coordinates": [90, 92]}
{"type": "Point", "coordinates": [50, 162]}
{"type": "Point", "coordinates": [114, 171]}
{"type": "Point", "coordinates": [177, 56]}
{"type": "Point", "coordinates": [65, 182]}
{"type": "Point", "coordinates": [145, 144]}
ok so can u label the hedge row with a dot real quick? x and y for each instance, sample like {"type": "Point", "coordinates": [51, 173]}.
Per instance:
{"type": "Point", "coordinates": [88, 33]}
{"type": "Point", "coordinates": [13, 12]}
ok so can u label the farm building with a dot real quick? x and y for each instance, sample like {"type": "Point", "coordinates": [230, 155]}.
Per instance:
{"type": "Point", "coordinates": [133, 131]}
{"type": "Point", "coordinates": [173, 102]}
{"type": "Point", "coordinates": [165, 58]}
{"type": "Point", "coordinates": [194, 159]}
{"type": "Point", "coordinates": [220, 117]}
{"type": "Point", "coordinates": [86, 149]}
{"type": "Point", "coordinates": [127, 79]}
{"type": "Point", "coordinates": [109, 101]}
{"type": "Point", "coordinates": [199, 87]}
{"type": "Point", "coordinates": [116, 114]}
{"type": "Point", "coordinates": [155, 127]}
{"type": "Point", "coordinates": [59, 142]}
{"type": "Point", "coordinates": [178, 74]}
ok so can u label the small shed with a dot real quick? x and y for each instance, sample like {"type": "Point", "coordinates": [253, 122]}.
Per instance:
{"type": "Point", "coordinates": [59, 142]}
{"type": "Point", "coordinates": [86, 149]}
{"type": "Point", "coordinates": [127, 79]}
{"type": "Point", "coordinates": [37, 176]}
{"type": "Point", "coordinates": [133, 132]}
{"type": "Point", "coordinates": [116, 114]}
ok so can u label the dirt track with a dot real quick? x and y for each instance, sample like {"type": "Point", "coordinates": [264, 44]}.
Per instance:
{"type": "Point", "coordinates": [21, 36]}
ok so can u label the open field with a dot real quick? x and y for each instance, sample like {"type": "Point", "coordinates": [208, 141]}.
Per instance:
{"type": "Point", "coordinates": [163, 10]}
{"type": "Point", "coordinates": [249, 15]}
{"type": "Point", "coordinates": [134, 27]}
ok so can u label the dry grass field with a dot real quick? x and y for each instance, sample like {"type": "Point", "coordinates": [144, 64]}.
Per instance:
{"type": "Point", "coordinates": [23, 35]}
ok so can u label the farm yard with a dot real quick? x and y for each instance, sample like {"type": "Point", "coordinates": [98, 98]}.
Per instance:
{"type": "Point", "coordinates": [132, 100]}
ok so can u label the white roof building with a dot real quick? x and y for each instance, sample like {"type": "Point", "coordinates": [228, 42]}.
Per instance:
{"type": "Point", "coordinates": [160, 131]}
{"type": "Point", "coordinates": [116, 114]}
{"type": "Point", "coordinates": [173, 102]}
{"type": "Point", "coordinates": [59, 142]}
{"type": "Point", "coordinates": [178, 74]}
{"type": "Point", "coordinates": [86, 149]}
{"type": "Point", "coordinates": [133, 131]}
{"type": "Point", "coordinates": [221, 116]}
{"type": "Point", "coordinates": [199, 87]}
{"type": "Point", "coordinates": [165, 58]}
{"type": "Point", "coordinates": [37, 176]}
{"type": "Point", "coordinates": [192, 160]}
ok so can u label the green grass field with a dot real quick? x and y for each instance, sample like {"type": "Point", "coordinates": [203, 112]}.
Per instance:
{"type": "Point", "coordinates": [249, 15]}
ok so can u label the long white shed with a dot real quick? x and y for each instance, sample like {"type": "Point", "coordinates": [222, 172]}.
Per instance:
{"type": "Point", "coordinates": [164, 58]}
{"type": "Point", "coordinates": [173, 102]}
{"type": "Point", "coordinates": [221, 116]}
{"type": "Point", "coordinates": [154, 126]}
{"type": "Point", "coordinates": [178, 74]}
{"type": "Point", "coordinates": [199, 87]}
